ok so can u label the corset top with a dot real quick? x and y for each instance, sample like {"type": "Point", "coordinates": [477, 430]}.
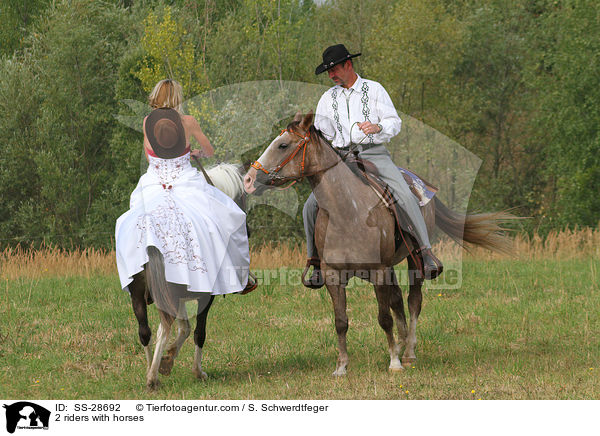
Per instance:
{"type": "Point", "coordinates": [169, 170]}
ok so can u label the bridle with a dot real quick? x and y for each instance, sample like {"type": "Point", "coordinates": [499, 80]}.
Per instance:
{"type": "Point", "coordinates": [272, 175]}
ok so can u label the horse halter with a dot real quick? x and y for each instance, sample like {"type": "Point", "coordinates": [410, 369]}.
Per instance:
{"type": "Point", "coordinates": [272, 175]}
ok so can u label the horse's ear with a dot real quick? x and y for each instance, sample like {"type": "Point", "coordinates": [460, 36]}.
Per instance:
{"type": "Point", "coordinates": [307, 121]}
{"type": "Point", "coordinates": [298, 117]}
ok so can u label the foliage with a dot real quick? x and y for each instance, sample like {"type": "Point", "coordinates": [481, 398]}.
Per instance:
{"type": "Point", "coordinates": [261, 41]}
{"type": "Point", "coordinates": [19, 105]}
{"type": "Point", "coordinates": [515, 82]}
{"type": "Point", "coordinates": [16, 20]}
{"type": "Point", "coordinates": [492, 68]}
{"type": "Point", "coordinates": [169, 53]}
{"type": "Point", "coordinates": [71, 70]}
{"type": "Point", "coordinates": [569, 61]}
{"type": "Point", "coordinates": [414, 52]}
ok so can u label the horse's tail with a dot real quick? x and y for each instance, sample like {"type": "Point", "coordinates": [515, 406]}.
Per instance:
{"type": "Point", "coordinates": [482, 229]}
{"type": "Point", "coordinates": [157, 283]}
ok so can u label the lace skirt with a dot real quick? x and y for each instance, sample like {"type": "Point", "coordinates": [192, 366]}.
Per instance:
{"type": "Point", "coordinates": [200, 232]}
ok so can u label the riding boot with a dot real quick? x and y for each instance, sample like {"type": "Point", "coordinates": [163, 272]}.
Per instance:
{"type": "Point", "coordinates": [316, 279]}
{"type": "Point", "coordinates": [432, 266]}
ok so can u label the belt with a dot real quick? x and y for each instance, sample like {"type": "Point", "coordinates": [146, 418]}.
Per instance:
{"type": "Point", "coordinates": [359, 147]}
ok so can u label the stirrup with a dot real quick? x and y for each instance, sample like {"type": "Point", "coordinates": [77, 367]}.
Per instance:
{"type": "Point", "coordinates": [251, 285]}
{"type": "Point", "coordinates": [317, 275]}
{"type": "Point", "coordinates": [430, 270]}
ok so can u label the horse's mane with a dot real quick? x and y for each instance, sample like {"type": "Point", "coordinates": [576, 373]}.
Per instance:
{"type": "Point", "coordinates": [314, 131]}
{"type": "Point", "coordinates": [228, 179]}
{"type": "Point", "coordinates": [352, 164]}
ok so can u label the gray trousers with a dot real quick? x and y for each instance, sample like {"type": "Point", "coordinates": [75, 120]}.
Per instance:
{"type": "Point", "coordinates": [390, 174]}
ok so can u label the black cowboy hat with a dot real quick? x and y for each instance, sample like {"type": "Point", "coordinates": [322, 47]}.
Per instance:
{"type": "Point", "coordinates": [336, 54]}
{"type": "Point", "coordinates": [165, 133]}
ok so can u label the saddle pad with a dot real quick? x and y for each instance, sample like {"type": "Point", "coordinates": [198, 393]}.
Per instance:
{"type": "Point", "coordinates": [422, 190]}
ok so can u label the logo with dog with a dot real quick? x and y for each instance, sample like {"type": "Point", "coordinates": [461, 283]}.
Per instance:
{"type": "Point", "coordinates": [26, 415]}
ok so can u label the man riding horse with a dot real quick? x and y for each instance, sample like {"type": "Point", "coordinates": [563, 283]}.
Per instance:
{"type": "Point", "coordinates": [358, 115]}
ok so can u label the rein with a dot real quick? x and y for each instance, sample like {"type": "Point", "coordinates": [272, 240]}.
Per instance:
{"type": "Point", "coordinates": [210, 182]}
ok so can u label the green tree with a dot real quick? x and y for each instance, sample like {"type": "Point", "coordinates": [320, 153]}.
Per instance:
{"type": "Point", "coordinates": [348, 22]}
{"type": "Point", "coordinates": [414, 51]}
{"type": "Point", "coordinates": [569, 115]}
{"type": "Point", "coordinates": [19, 182]}
{"type": "Point", "coordinates": [170, 52]}
{"type": "Point", "coordinates": [262, 40]}
{"type": "Point", "coordinates": [492, 68]}
{"type": "Point", "coordinates": [75, 54]}
{"type": "Point", "coordinates": [16, 19]}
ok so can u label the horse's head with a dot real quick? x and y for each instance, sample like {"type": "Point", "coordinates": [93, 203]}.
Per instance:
{"type": "Point", "coordinates": [286, 159]}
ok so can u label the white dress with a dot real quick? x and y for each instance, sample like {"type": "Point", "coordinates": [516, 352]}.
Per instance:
{"type": "Point", "coordinates": [200, 231]}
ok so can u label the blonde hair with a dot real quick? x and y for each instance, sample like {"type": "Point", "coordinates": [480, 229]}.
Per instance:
{"type": "Point", "coordinates": [166, 93]}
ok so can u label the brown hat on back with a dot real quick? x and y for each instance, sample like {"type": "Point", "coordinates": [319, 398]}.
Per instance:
{"type": "Point", "coordinates": [165, 133]}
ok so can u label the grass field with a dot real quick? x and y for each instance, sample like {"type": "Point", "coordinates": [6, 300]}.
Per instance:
{"type": "Point", "coordinates": [516, 329]}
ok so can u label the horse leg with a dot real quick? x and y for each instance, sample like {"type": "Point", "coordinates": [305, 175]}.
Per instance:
{"type": "Point", "coordinates": [200, 337]}
{"type": "Point", "coordinates": [337, 291]}
{"type": "Point", "coordinates": [162, 336]}
{"type": "Point", "coordinates": [183, 331]}
{"type": "Point", "coordinates": [397, 305]}
{"type": "Point", "coordinates": [383, 292]}
{"type": "Point", "coordinates": [137, 290]}
{"type": "Point", "coordinates": [415, 297]}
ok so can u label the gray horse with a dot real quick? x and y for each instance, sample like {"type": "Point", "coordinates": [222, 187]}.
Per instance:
{"type": "Point", "coordinates": [355, 232]}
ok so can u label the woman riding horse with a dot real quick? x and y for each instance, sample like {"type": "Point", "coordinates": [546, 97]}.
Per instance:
{"type": "Point", "coordinates": [188, 236]}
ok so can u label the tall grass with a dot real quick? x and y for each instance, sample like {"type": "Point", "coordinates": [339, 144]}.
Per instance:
{"type": "Point", "coordinates": [563, 244]}
{"type": "Point", "coordinates": [51, 261]}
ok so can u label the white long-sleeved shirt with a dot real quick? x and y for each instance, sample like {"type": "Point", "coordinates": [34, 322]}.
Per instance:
{"type": "Point", "coordinates": [366, 100]}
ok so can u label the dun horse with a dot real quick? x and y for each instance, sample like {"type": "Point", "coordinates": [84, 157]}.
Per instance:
{"type": "Point", "coordinates": [151, 286]}
{"type": "Point", "coordinates": [354, 233]}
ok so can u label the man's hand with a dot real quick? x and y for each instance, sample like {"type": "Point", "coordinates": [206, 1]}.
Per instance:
{"type": "Point", "coordinates": [368, 128]}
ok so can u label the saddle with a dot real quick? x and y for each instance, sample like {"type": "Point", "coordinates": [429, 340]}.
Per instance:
{"type": "Point", "coordinates": [367, 172]}
{"type": "Point", "coordinates": [422, 189]}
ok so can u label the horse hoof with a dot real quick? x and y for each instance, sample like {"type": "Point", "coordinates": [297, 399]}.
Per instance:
{"type": "Point", "coordinates": [200, 375]}
{"type": "Point", "coordinates": [396, 369]}
{"type": "Point", "coordinates": [166, 365]}
{"type": "Point", "coordinates": [339, 372]}
{"type": "Point", "coordinates": [153, 385]}
{"type": "Point", "coordinates": [409, 361]}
